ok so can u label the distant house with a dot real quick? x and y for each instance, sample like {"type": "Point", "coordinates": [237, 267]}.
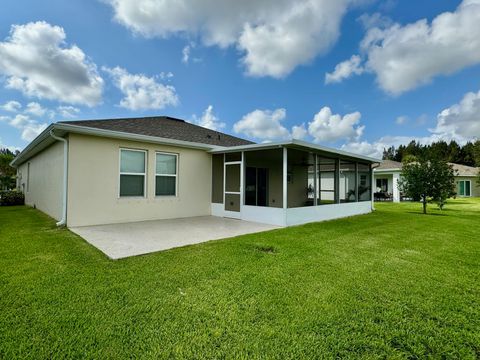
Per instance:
{"type": "Point", "coordinates": [123, 170]}
{"type": "Point", "coordinates": [388, 173]}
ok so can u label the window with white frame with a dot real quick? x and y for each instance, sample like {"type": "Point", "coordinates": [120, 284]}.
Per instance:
{"type": "Point", "coordinates": [133, 171]}
{"type": "Point", "coordinates": [166, 174]}
{"type": "Point", "coordinates": [464, 188]}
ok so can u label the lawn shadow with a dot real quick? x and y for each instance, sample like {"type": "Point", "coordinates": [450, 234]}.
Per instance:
{"type": "Point", "coordinates": [428, 213]}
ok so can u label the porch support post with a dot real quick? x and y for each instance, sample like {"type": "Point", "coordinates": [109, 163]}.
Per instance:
{"type": "Point", "coordinates": [242, 181]}
{"type": "Point", "coordinates": [371, 187]}
{"type": "Point", "coordinates": [285, 177]}
{"type": "Point", "coordinates": [337, 181]}
{"type": "Point", "coordinates": [315, 175]}
{"type": "Point", "coordinates": [396, 190]}
{"type": "Point", "coordinates": [356, 181]}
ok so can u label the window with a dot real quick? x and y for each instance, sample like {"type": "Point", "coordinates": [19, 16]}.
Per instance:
{"type": "Point", "coordinates": [382, 185]}
{"type": "Point", "coordinates": [464, 187]}
{"type": "Point", "coordinates": [166, 175]}
{"type": "Point", "coordinates": [132, 172]}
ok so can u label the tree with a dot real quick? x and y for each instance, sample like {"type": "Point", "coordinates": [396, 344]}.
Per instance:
{"type": "Point", "coordinates": [428, 180]}
{"type": "Point", "coordinates": [476, 154]}
{"type": "Point", "coordinates": [7, 173]}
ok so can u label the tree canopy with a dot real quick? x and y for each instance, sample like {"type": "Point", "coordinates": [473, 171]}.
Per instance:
{"type": "Point", "coordinates": [467, 154]}
{"type": "Point", "coordinates": [7, 173]}
{"type": "Point", "coordinates": [428, 180]}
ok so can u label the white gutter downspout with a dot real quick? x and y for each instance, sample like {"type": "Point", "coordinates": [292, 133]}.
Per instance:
{"type": "Point", "coordinates": [63, 220]}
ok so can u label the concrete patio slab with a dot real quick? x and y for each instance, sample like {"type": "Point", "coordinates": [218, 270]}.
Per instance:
{"type": "Point", "coordinates": [129, 239]}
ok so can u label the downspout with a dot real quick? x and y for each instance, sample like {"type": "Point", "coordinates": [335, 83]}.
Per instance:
{"type": "Point", "coordinates": [63, 220]}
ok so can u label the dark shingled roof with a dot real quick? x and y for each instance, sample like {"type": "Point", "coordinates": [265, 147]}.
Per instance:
{"type": "Point", "coordinates": [164, 127]}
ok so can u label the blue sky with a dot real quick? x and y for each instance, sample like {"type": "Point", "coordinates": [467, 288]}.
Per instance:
{"type": "Point", "coordinates": [398, 70]}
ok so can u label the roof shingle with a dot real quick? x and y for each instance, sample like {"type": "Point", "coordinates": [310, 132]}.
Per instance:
{"type": "Point", "coordinates": [163, 127]}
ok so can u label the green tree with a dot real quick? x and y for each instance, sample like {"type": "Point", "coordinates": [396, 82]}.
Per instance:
{"type": "Point", "coordinates": [476, 154]}
{"type": "Point", "coordinates": [7, 173]}
{"type": "Point", "coordinates": [428, 180]}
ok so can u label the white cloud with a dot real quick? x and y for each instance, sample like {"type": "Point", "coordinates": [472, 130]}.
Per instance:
{"type": "Point", "coordinates": [11, 106]}
{"type": "Point", "coordinates": [344, 70]}
{"type": "Point", "coordinates": [401, 120]}
{"type": "Point", "coordinates": [209, 120]}
{"type": "Point", "coordinates": [460, 121]}
{"type": "Point", "coordinates": [263, 124]}
{"type": "Point", "coordinates": [186, 54]}
{"type": "Point", "coordinates": [35, 109]}
{"type": "Point", "coordinates": [404, 57]}
{"type": "Point", "coordinates": [142, 92]}
{"type": "Point", "coordinates": [375, 148]}
{"type": "Point", "coordinates": [36, 61]}
{"type": "Point", "coordinates": [29, 127]}
{"type": "Point", "coordinates": [299, 132]}
{"type": "Point", "coordinates": [328, 127]}
{"type": "Point", "coordinates": [369, 21]}
{"type": "Point", "coordinates": [275, 36]}
{"type": "Point", "coordinates": [68, 111]}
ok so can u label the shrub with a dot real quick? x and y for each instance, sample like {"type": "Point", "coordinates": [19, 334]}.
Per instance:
{"type": "Point", "coordinates": [8, 198]}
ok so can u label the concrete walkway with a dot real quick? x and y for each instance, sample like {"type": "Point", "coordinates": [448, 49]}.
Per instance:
{"type": "Point", "coordinates": [130, 239]}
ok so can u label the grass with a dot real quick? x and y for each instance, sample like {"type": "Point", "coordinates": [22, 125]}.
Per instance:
{"type": "Point", "coordinates": [393, 284]}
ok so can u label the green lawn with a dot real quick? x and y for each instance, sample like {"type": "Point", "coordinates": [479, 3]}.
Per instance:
{"type": "Point", "coordinates": [392, 284]}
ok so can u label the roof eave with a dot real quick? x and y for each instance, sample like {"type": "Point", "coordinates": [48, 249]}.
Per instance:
{"type": "Point", "coordinates": [29, 151]}
{"type": "Point", "coordinates": [300, 143]}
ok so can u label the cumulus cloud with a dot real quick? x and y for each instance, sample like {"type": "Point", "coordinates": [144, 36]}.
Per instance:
{"type": "Point", "coordinates": [29, 127]}
{"type": "Point", "coordinates": [404, 57]}
{"type": "Point", "coordinates": [68, 111]}
{"type": "Point", "coordinates": [35, 109]}
{"type": "Point", "coordinates": [299, 132]}
{"type": "Point", "coordinates": [142, 92]}
{"type": "Point", "coordinates": [263, 124]}
{"type": "Point", "coordinates": [274, 36]}
{"type": "Point", "coordinates": [11, 106]}
{"type": "Point", "coordinates": [460, 121]}
{"type": "Point", "coordinates": [37, 61]}
{"type": "Point", "coordinates": [209, 120]}
{"type": "Point", "coordinates": [344, 70]}
{"type": "Point", "coordinates": [186, 54]}
{"type": "Point", "coordinates": [328, 127]}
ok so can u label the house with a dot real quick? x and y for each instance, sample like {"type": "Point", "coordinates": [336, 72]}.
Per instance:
{"type": "Point", "coordinates": [124, 170]}
{"type": "Point", "coordinates": [388, 173]}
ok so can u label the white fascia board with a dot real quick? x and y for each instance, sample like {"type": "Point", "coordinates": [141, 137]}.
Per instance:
{"type": "Point", "coordinates": [394, 170]}
{"type": "Point", "coordinates": [293, 142]}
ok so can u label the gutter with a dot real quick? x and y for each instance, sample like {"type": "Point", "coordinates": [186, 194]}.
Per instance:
{"type": "Point", "coordinates": [63, 220]}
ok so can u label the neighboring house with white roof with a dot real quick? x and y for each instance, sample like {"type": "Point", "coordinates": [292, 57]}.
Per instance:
{"type": "Point", "coordinates": [388, 174]}
{"type": "Point", "coordinates": [123, 170]}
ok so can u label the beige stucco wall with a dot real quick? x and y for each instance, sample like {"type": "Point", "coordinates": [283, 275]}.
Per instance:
{"type": "Point", "coordinates": [93, 183]}
{"type": "Point", "coordinates": [44, 180]}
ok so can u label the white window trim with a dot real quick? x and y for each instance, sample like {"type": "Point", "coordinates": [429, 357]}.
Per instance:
{"type": "Point", "coordinates": [169, 175]}
{"type": "Point", "coordinates": [465, 187]}
{"type": "Point", "coordinates": [120, 173]}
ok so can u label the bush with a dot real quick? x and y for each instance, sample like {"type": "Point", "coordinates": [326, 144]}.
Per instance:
{"type": "Point", "coordinates": [8, 198]}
